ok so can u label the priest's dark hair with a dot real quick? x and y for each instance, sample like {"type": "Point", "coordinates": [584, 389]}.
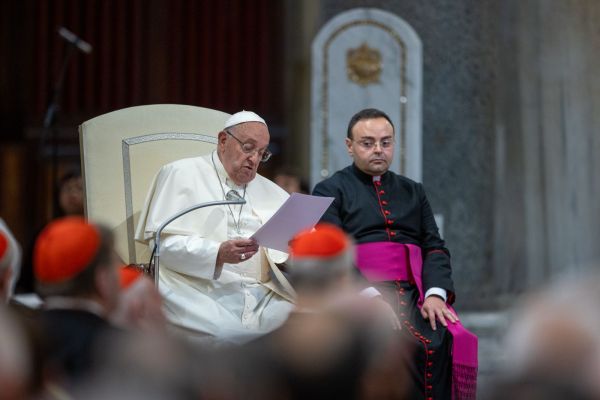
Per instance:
{"type": "Point", "coordinates": [367, 113]}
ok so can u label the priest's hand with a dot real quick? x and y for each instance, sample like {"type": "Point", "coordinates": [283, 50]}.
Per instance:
{"type": "Point", "coordinates": [434, 308]}
{"type": "Point", "coordinates": [236, 250]}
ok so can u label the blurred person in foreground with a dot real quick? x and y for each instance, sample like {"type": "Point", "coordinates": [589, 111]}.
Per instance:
{"type": "Point", "coordinates": [147, 366]}
{"type": "Point", "coordinates": [401, 254]}
{"type": "Point", "coordinates": [140, 304]}
{"type": "Point", "coordinates": [76, 272]}
{"type": "Point", "coordinates": [335, 344]}
{"type": "Point", "coordinates": [10, 262]}
{"type": "Point", "coordinates": [20, 316]}
{"type": "Point", "coordinates": [15, 360]}
{"type": "Point", "coordinates": [218, 285]}
{"type": "Point", "coordinates": [552, 347]}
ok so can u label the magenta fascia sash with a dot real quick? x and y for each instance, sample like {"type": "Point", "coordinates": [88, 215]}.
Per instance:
{"type": "Point", "coordinates": [383, 261]}
{"type": "Point", "coordinates": [387, 261]}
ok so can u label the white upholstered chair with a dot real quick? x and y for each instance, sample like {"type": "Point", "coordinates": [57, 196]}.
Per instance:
{"type": "Point", "coordinates": [122, 151]}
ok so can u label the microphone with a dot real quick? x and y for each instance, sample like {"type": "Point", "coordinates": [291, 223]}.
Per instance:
{"type": "Point", "coordinates": [75, 40]}
{"type": "Point", "coordinates": [231, 198]}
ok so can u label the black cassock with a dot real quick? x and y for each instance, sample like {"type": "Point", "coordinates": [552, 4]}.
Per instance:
{"type": "Point", "coordinates": [395, 209]}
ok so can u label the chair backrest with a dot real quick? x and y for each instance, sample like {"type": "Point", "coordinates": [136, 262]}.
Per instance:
{"type": "Point", "coordinates": [122, 151]}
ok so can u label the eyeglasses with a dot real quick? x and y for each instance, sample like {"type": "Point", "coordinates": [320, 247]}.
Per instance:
{"type": "Point", "coordinates": [250, 148]}
{"type": "Point", "coordinates": [368, 144]}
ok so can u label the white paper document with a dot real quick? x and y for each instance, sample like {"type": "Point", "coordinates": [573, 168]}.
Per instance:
{"type": "Point", "coordinates": [299, 212]}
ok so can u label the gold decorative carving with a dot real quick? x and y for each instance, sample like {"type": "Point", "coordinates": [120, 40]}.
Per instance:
{"type": "Point", "coordinates": [363, 65]}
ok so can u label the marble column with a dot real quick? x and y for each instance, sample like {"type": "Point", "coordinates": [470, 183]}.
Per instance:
{"type": "Point", "coordinates": [547, 211]}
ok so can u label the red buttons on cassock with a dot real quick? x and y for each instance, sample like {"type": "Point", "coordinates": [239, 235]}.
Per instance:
{"type": "Point", "coordinates": [385, 203]}
{"type": "Point", "coordinates": [386, 212]}
{"type": "Point", "coordinates": [389, 221]}
{"type": "Point", "coordinates": [429, 375]}
{"type": "Point", "coordinates": [393, 233]}
{"type": "Point", "coordinates": [430, 364]}
{"type": "Point", "coordinates": [430, 352]}
{"type": "Point", "coordinates": [381, 192]}
{"type": "Point", "coordinates": [429, 387]}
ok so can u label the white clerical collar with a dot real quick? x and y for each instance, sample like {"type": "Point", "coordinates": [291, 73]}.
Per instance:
{"type": "Point", "coordinates": [222, 173]}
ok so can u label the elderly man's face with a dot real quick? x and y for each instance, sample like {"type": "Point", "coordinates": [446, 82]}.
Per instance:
{"type": "Point", "coordinates": [241, 167]}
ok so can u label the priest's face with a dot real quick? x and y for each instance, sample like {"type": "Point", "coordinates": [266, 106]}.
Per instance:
{"type": "Point", "coordinates": [372, 145]}
{"type": "Point", "coordinates": [242, 166]}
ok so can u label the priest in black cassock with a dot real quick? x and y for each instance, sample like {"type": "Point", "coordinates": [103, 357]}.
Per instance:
{"type": "Point", "coordinates": [400, 252]}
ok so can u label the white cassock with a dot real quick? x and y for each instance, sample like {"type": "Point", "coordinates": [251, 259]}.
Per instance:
{"type": "Point", "coordinates": [245, 299]}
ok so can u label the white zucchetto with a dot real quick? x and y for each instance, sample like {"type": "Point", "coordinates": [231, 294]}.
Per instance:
{"type": "Point", "coordinates": [241, 117]}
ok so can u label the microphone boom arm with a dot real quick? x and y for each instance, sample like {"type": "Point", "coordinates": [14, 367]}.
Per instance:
{"type": "Point", "coordinates": [240, 201]}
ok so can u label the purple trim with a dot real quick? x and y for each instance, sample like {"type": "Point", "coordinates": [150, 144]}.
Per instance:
{"type": "Point", "coordinates": [388, 261]}
{"type": "Point", "coordinates": [464, 343]}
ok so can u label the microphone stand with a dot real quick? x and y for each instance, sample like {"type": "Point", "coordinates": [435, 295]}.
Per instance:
{"type": "Point", "coordinates": [229, 201]}
{"type": "Point", "coordinates": [49, 130]}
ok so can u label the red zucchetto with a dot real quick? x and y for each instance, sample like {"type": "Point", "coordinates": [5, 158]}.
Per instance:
{"type": "Point", "coordinates": [324, 248]}
{"type": "Point", "coordinates": [3, 246]}
{"type": "Point", "coordinates": [324, 240]}
{"type": "Point", "coordinates": [64, 249]}
{"type": "Point", "coordinates": [128, 275]}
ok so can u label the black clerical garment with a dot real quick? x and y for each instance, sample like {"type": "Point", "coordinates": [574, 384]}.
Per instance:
{"type": "Point", "coordinates": [393, 208]}
{"type": "Point", "coordinates": [72, 338]}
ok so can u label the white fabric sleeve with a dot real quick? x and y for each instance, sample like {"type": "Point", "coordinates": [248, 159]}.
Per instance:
{"type": "Point", "coordinates": [438, 292]}
{"type": "Point", "coordinates": [190, 255]}
{"type": "Point", "coordinates": [370, 292]}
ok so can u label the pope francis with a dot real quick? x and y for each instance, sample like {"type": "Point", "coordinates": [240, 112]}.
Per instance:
{"type": "Point", "coordinates": [217, 284]}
